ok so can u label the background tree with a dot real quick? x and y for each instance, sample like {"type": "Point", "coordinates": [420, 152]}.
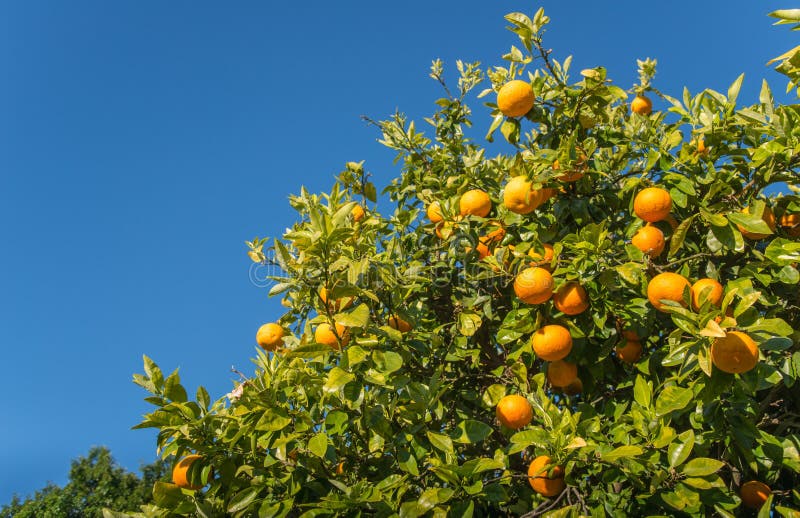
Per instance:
{"type": "Point", "coordinates": [95, 482]}
{"type": "Point", "coordinates": [627, 275]}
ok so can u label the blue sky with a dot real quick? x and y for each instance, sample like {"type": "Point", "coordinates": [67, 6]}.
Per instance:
{"type": "Point", "coordinates": [142, 142]}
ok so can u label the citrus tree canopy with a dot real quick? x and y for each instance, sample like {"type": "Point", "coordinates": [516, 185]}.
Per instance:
{"type": "Point", "coordinates": [626, 268]}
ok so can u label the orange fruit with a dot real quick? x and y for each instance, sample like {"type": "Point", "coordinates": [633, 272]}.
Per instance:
{"type": "Point", "coordinates": [270, 336]}
{"type": "Point", "coordinates": [552, 342]}
{"type": "Point", "coordinates": [754, 493]}
{"type": "Point", "coordinates": [539, 260]}
{"type": "Point", "coordinates": [519, 197]}
{"type": "Point", "coordinates": [515, 98]}
{"type": "Point", "coordinates": [571, 299]}
{"type": "Point", "coordinates": [701, 147]}
{"type": "Point", "coordinates": [650, 240]}
{"type": "Point", "coordinates": [434, 212]}
{"type": "Point", "coordinates": [791, 222]}
{"type": "Point", "coordinates": [514, 411]}
{"type": "Point", "coordinates": [334, 305]}
{"type": "Point", "coordinates": [714, 295]}
{"type": "Point", "coordinates": [630, 352]}
{"type": "Point", "coordinates": [395, 322]}
{"type": "Point", "coordinates": [340, 468]}
{"type": "Point", "coordinates": [574, 174]}
{"type": "Point", "coordinates": [181, 471]}
{"type": "Point", "coordinates": [534, 285]}
{"type": "Point", "coordinates": [561, 373]}
{"type": "Point", "coordinates": [630, 335]}
{"type": "Point", "coordinates": [358, 213]}
{"type": "Point", "coordinates": [476, 203]}
{"type": "Point", "coordinates": [666, 286]}
{"type": "Point", "coordinates": [652, 204]}
{"type": "Point", "coordinates": [767, 217]}
{"type": "Point", "coordinates": [641, 105]}
{"type": "Point", "coordinates": [546, 478]}
{"type": "Point", "coordinates": [489, 241]}
{"type": "Point", "coordinates": [324, 335]}
{"type": "Point", "coordinates": [734, 353]}
{"type": "Point", "coordinates": [574, 388]}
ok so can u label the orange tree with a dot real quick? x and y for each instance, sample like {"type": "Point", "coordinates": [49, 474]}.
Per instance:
{"type": "Point", "coordinates": [629, 273]}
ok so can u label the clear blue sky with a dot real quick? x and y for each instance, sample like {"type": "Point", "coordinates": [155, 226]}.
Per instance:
{"type": "Point", "coordinates": [142, 142]}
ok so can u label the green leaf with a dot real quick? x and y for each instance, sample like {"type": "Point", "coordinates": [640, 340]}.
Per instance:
{"type": "Point", "coordinates": [701, 467]}
{"type": "Point", "coordinates": [672, 399]}
{"type": "Point", "coordinates": [750, 222]}
{"type": "Point", "coordinates": [676, 241]}
{"type": "Point", "coordinates": [166, 494]}
{"type": "Point", "coordinates": [642, 392]}
{"type": "Point", "coordinates": [153, 373]}
{"type": "Point", "coordinates": [468, 323]}
{"type": "Point", "coordinates": [355, 354]}
{"type": "Point", "coordinates": [782, 251]}
{"type": "Point", "coordinates": [273, 420]}
{"type": "Point", "coordinates": [470, 432]}
{"type": "Point", "coordinates": [358, 317]}
{"type": "Point", "coordinates": [774, 326]}
{"type": "Point", "coordinates": [440, 442]}
{"type": "Point", "coordinates": [173, 388]}
{"type": "Point", "coordinates": [318, 444]}
{"type": "Point", "coordinates": [243, 499]}
{"type": "Point", "coordinates": [387, 362]}
{"type": "Point", "coordinates": [308, 351]}
{"type": "Point", "coordinates": [337, 378]}
{"type": "Point", "coordinates": [621, 452]}
{"type": "Point", "coordinates": [680, 449]}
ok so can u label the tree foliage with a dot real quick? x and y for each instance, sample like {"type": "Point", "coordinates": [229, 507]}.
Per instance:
{"type": "Point", "coordinates": [95, 482]}
{"type": "Point", "coordinates": [402, 422]}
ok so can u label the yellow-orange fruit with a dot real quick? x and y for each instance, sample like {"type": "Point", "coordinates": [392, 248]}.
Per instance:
{"type": "Point", "coordinates": [791, 222]}
{"type": "Point", "coordinates": [270, 336]}
{"type": "Point", "coordinates": [734, 353]}
{"type": "Point", "coordinates": [546, 478]}
{"type": "Point", "coordinates": [476, 203]}
{"type": "Point", "coordinates": [561, 373]}
{"type": "Point", "coordinates": [398, 323]}
{"type": "Point", "coordinates": [666, 286]}
{"type": "Point", "coordinates": [534, 285]}
{"type": "Point", "coordinates": [324, 335]}
{"type": "Point", "coordinates": [754, 493]}
{"type": "Point", "coordinates": [650, 240]}
{"type": "Point", "coordinates": [434, 212]}
{"type": "Point", "coordinates": [552, 342]}
{"type": "Point", "coordinates": [340, 468]}
{"type": "Point", "coordinates": [652, 204]}
{"type": "Point", "coordinates": [514, 411]}
{"type": "Point", "coordinates": [767, 217]}
{"type": "Point", "coordinates": [520, 197]}
{"type": "Point", "coordinates": [334, 305]}
{"type": "Point", "coordinates": [540, 260]}
{"type": "Point", "coordinates": [358, 213]}
{"type": "Point", "coordinates": [515, 98]}
{"type": "Point", "coordinates": [641, 105]}
{"type": "Point", "coordinates": [487, 243]}
{"type": "Point", "coordinates": [574, 174]}
{"type": "Point", "coordinates": [181, 471]}
{"type": "Point", "coordinates": [630, 335]}
{"type": "Point", "coordinates": [630, 352]}
{"type": "Point", "coordinates": [571, 299]}
{"type": "Point", "coordinates": [701, 147]}
{"type": "Point", "coordinates": [714, 294]}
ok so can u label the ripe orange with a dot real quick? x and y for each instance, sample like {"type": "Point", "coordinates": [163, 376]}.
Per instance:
{"type": "Point", "coordinates": [630, 335]}
{"type": "Point", "coordinates": [519, 197]}
{"type": "Point", "coordinates": [340, 468]}
{"type": "Point", "coordinates": [734, 353]}
{"type": "Point", "coordinates": [270, 336]}
{"type": "Point", "coordinates": [475, 202]}
{"type": "Point", "coordinates": [714, 295]}
{"type": "Point", "coordinates": [489, 241]}
{"type": "Point", "coordinates": [574, 174]}
{"type": "Point", "coordinates": [552, 342]}
{"type": "Point", "coordinates": [561, 373]}
{"type": "Point", "coordinates": [514, 411]}
{"type": "Point", "coordinates": [767, 217]}
{"type": "Point", "coordinates": [791, 222]}
{"type": "Point", "coordinates": [181, 470]}
{"type": "Point", "coordinates": [571, 299]}
{"type": "Point", "coordinates": [701, 147]}
{"type": "Point", "coordinates": [358, 213]}
{"type": "Point", "coordinates": [652, 204]}
{"type": "Point", "coordinates": [534, 285]}
{"type": "Point", "coordinates": [754, 493]}
{"type": "Point", "coordinates": [515, 98]}
{"type": "Point", "coordinates": [444, 229]}
{"type": "Point", "coordinates": [641, 105]}
{"type": "Point", "coordinates": [334, 305]}
{"type": "Point", "coordinates": [576, 387]}
{"type": "Point", "coordinates": [546, 478]}
{"type": "Point", "coordinates": [539, 260]}
{"type": "Point", "coordinates": [395, 322]}
{"type": "Point", "coordinates": [630, 352]}
{"type": "Point", "coordinates": [666, 286]}
{"type": "Point", "coordinates": [324, 335]}
{"type": "Point", "coordinates": [434, 212]}
{"type": "Point", "coordinates": [650, 240]}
